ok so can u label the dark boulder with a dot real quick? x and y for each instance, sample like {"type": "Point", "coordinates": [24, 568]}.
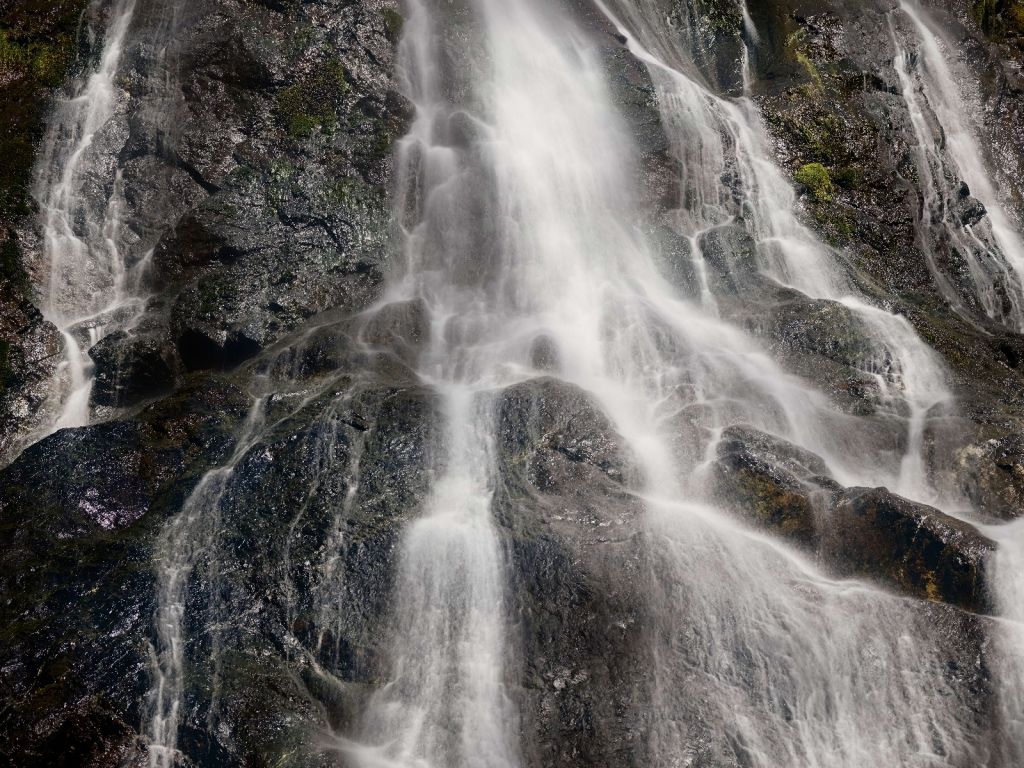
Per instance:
{"type": "Point", "coordinates": [913, 547]}
{"type": "Point", "coordinates": [771, 482]}
{"type": "Point", "coordinates": [574, 538]}
{"type": "Point", "coordinates": [30, 351]}
{"type": "Point", "coordinates": [308, 578]}
{"type": "Point", "coordinates": [856, 532]}
{"type": "Point", "coordinates": [129, 369]}
{"type": "Point", "coordinates": [991, 476]}
{"type": "Point", "coordinates": [79, 514]}
{"type": "Point", "coordinates": [553, 433]}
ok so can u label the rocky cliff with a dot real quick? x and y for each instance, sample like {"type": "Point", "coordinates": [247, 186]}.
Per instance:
{"type": "Point", "coordinates": [254, 145]}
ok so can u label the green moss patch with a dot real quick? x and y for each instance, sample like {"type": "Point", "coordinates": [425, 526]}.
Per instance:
{"type": "Point", "coordinates": [314, 102]}
{"type": "Point", "coordinates": [816, 178]}
{"type": "Point", "coordinates": [393, 23]}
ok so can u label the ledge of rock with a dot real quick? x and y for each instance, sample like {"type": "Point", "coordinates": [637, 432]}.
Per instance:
{"type": "Point", "coordinates": [913, 547]}
{"type": "Point", "coordinates": [773, 483]}
{"type": "Point", "coordinates": [129, 370]}
{"type": "Point", "coordinates": [857, 532]}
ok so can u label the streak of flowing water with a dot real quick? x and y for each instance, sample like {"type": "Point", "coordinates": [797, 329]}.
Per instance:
{"type": "Point", "coordinates": [89, 282]}
{"type": "Point", "coordinates": [948, 156]}
{"type": "Point", "coordinates": [714, 138]}
{"type": "Point", "coordinates": [96, 251]}
{"type": "Point", "coordinates": [190, 535]}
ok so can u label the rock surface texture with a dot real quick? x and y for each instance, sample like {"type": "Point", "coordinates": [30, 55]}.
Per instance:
{"type": "Point", "coordinates": [265, 188]}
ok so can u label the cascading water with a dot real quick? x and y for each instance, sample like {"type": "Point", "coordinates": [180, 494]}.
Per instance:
{"type": "Point", "coordinates": [949, 157]}
{"type": "Point", "coordinates": [94, 261]}
{"type": "Point", "coordinates": [517, 188]}
{"type": "Point", "coordinates": [88, 283]}
{"type": "Point", "coordinates": [1008, 573]}
{"type": "Point", "coordinates": [521, 229]}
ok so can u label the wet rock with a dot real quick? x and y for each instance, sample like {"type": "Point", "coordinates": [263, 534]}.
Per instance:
{"type": "Point", "coordinates": [818, 339]}
{"type": "Point", "coordinates": [576, 571]}
{"type": "Point", "coordinates": [79, 514]}
{"type": "Point", "coordinates": [730, 252]}
{"type": "Point", "coordinates": [317, 351]}
{"type": "Point", "coordinates": [991, 475]}
{"type": "Point", "coordinates": [129, 369]}
{"type": "Point", "coordinates": [297, 222]}
{"type": "Point", "coordinates": [401, 328]}
{"type": "Point", "coordinates": [30, 351]}
{"type": "Point", "coordinates": [970, 210]}
{"type": "Point", "coordinates": [912, 547]}
{"type": "Point", "coordinates": [773, 483]}
{"type": "Point", "coordinates": [553, 433]}
{"type": "Point", "coordinates": [824, 328]}
{"type": "Point", "coordinates": [336, 480]}
{"type": "Point", "coordinates": [107, 476]}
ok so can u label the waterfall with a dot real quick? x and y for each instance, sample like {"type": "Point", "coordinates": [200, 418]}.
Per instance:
{"type": "Point", "coordinates": [89, 284]}
{"type": "Point", "coordinates": [517, 200]}
{"type": "Point", "coordinates": [519, 227]}
{"type": "Point", "coordinates": [95, 262]}
{"type": "Point", "coordinates": [951, 166]}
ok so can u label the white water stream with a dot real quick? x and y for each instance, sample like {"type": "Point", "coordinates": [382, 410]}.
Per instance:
{"type": "Point", "coordinates": [188, 538]}
{"type": "Point", "coordinates": [94, 264]}
{"type": "Point", "coordinates": [948, 153]}
{"type": "Point", "coordinates": [90, 285]}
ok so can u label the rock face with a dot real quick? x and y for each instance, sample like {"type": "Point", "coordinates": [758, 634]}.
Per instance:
{"type": "Point", "coordinates": [915, 548]}
{"type": "Point", "coordinates": [256, 168]}
{"type": "Point", "coordinates": [128, 370]}
{"type": "Point", "coordinates": [575, 540]}
{"type": "Point", "coordinates": [257, 175]}
{"type": "Point", "coordinates": [79, 513]}
{"type": "Point", "coordinates": [870, 533]}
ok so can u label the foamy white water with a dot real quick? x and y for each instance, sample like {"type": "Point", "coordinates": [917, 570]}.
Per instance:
{"type": "Point", "coordinates": [948, 152]}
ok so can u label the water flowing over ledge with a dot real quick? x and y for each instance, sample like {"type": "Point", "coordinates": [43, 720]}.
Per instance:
{"type": "Point", "coordinates": [550, 429]}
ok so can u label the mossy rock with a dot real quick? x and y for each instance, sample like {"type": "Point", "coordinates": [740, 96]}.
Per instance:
{"type": "Point", "coordinates": [313, 102]}
{"type": "Point", "coordinates": [393, 23]}
{"type": "Point", "coordinates": [817, 179]}
{"type": "Point", "coordinates": [770, 482]}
